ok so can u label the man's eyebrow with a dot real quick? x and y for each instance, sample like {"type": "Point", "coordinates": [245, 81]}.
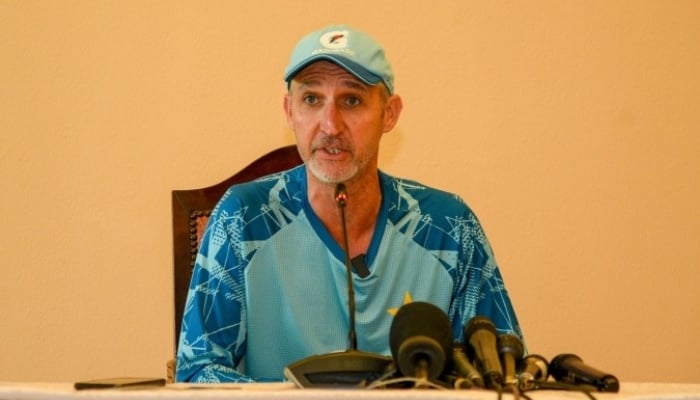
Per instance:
{"type": "Point", "coordinates": [354, 84]}
{"type": "Point", "coordinates": [308, 83]}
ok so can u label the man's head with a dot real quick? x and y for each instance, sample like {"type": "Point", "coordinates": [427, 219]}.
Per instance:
{"type": "Point", "coordinates": [355, 51]}
{"type": "Point", "coordinates": [340, 103]}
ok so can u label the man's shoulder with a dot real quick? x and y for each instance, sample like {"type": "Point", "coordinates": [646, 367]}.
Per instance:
{"type": "Point", "coordinates": [264, 187]}
{"type": "Point", "coordinates": [280, 189]}
{"type": "Point", "coordinates": [408, 191]}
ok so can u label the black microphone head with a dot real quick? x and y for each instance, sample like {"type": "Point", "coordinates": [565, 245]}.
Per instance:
{"type": "Point", "coordinates": [481, 346]}
{"type": "Point", "coordinates": [570, 368]}
{"type": "Point", "coordinates": [558, 367]}
{"type": "Point", "coordinates": [510, 344]}
{"type": "Point", "coordinates": [477, 323]}
{"type": "Point", "coordinates": [341, 196]}
{"type": "Point", "coordinates": [421, 334]}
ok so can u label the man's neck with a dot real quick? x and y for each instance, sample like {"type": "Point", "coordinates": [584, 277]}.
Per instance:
{"type": "Point", "coordinates": [361, 211]}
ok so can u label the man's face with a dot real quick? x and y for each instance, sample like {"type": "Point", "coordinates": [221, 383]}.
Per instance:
{"type": "Point", "coordinates": [338, 121]}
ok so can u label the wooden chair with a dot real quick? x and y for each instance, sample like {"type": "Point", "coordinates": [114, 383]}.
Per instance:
{"type": "Point", "coordinates": [191, 210]}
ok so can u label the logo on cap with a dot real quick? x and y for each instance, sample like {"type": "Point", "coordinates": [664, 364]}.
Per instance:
{"type": "Point", "coordinates": [334, 40]}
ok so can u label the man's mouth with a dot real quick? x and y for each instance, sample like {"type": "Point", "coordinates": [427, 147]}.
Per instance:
{"type": "Point", "coordinates": [332, 153]}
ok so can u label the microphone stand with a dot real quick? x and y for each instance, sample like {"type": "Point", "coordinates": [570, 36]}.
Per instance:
{"type": "Point", "coordinates": [341, 198]}
{"type": "Point", "coordinates": [351, 367]}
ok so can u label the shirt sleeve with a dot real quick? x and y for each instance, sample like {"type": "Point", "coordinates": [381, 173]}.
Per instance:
{"type": "Point", "coordinates": [480, 289]}
{"type": "Point", "coordinates": [213, 338]}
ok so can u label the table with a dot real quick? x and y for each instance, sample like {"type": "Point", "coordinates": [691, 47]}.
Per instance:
{"type": "Point", "coordinates": [65, 391]}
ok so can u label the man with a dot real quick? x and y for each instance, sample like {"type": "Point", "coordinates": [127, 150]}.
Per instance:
{"type": "Point", "coordinates": [270, 284]}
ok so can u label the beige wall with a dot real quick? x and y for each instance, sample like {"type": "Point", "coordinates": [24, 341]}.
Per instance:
{"type": "Point", "coordinates": [571, 127]}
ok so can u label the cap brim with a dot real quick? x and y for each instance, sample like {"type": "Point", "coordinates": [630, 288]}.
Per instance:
{"type": "Point", "coordinates": [354, 68]}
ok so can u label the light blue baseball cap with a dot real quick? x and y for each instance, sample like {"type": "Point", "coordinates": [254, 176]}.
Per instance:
{"type": "Point", "coordinates": [353, 50]}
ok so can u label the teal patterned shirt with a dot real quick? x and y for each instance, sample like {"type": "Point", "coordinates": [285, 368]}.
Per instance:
{"type": "Point", "coordinates": [269, 286]}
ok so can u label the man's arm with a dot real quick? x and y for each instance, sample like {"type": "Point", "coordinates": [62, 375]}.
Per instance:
{"type": "Point", "coordinates": [212, 340]}
{"type": "Point", "coordinates": [479, 286]}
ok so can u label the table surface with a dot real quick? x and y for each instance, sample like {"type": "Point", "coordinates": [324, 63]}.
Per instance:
{"type": "Point", "coordinates": [65, 391]}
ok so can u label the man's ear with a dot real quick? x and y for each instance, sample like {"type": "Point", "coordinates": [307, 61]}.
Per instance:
{"type": "Point", "coordinates": [287, 105]}
{"type": "Point", "coordinates": [392, 110]}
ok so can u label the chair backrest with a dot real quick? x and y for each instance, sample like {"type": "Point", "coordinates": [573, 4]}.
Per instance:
{"type": "Point", "coordinates": [191, 210]}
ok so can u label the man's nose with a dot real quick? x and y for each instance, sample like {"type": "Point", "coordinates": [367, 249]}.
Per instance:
{"type": "Point", "coordinates": [331, 120]}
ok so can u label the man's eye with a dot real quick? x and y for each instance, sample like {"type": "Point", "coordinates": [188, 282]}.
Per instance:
{"type": "Point", "coordinates": [352, 101]}
{"type": "Point", "coordinates": [310, 99]}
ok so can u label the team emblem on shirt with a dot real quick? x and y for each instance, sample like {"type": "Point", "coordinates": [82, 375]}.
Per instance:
{"type": "Point", "coordinates": [406, 299]}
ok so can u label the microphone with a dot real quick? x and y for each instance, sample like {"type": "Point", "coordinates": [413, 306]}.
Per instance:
{"type": "Point", "coordinates": [357, 263]}
{"type": "Point", "coordinates": [569, 368]}
{"type": "Point", "coordinates": [465, 369]}
{"type": "Point", "coordinates": [531, 370]}
{"type": "Point", "coordinates": [341, 198]}
{"type": "Point", "coordinates": [480, 336]}
{"type": "Point", "coordinates": [359, 266]}
{"type": "Point", "coordinates": [511, 351]}
{"type": "Point", "coordinates": [421, 340]}
{"type": "Point", "coordinates": [344, 368]}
